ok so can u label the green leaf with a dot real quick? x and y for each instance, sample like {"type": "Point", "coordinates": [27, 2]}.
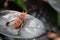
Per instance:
{"type": "Point", "coordinates": [58, 19]}
{"type": "Point", "coordinates": [22, 4]}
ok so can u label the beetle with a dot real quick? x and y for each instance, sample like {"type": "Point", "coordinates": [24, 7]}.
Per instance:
{"type": "Point", "coordinates": [18, 22]}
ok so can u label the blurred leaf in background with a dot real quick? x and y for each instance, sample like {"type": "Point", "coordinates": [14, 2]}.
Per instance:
{"type": "Point", "coordinates": [59, 19]}
{"type": "Point", "coordinates": [21, 4]}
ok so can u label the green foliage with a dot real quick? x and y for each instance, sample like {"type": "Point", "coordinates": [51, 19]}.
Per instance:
{"type": "Point", "coordinates": [59, 19]}
{"type": "Point", "coordinates": [21, 4]}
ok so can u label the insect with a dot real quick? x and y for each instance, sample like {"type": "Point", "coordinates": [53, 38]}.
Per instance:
{"type": "Point", "coordinates": [18, 22]}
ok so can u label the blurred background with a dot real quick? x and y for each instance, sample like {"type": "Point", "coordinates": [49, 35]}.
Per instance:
{"type": "Point", "coordinates": [43, 12]}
